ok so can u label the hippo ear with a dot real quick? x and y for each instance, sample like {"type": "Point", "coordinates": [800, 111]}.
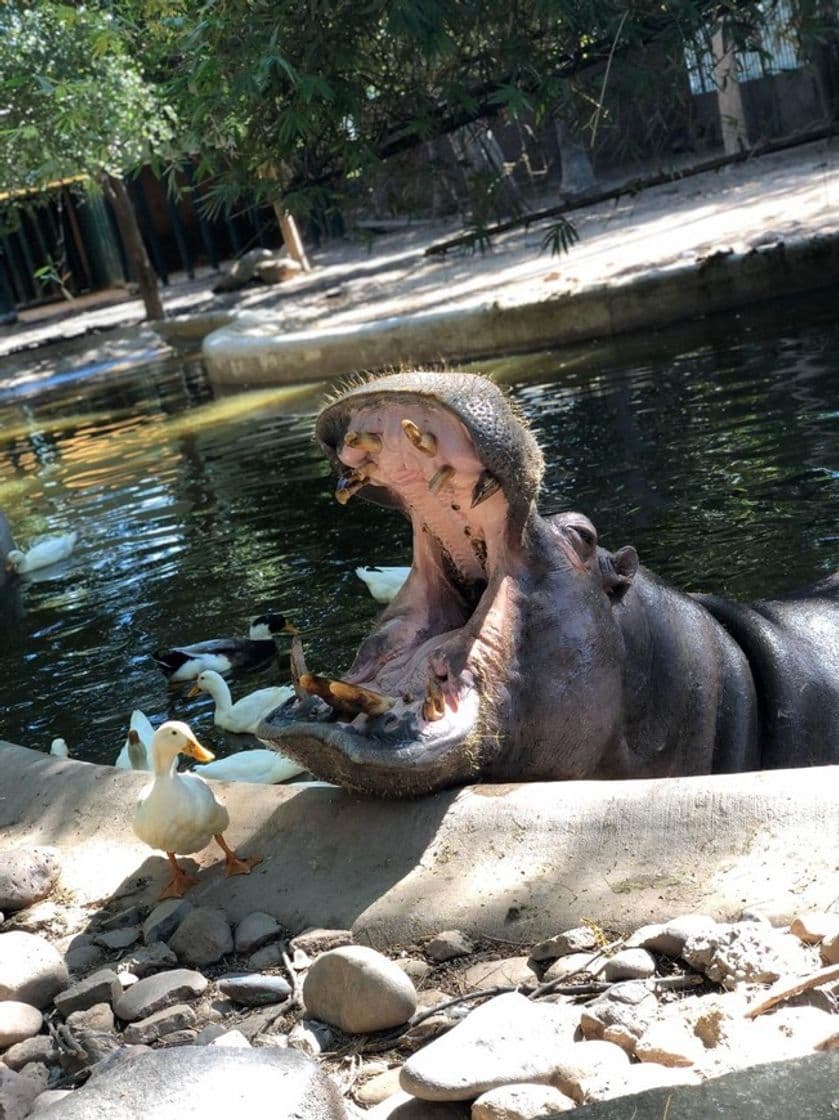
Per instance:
{"type": "Point", "coordinates": [617, 570]}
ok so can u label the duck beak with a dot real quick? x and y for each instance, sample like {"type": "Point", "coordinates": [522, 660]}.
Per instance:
{"type": "Point", "coordinates": [194, 691]}
{"type": "Point", "coordinates": [290, 628]}
{"type": "Point", "coordinates": [194, 749]}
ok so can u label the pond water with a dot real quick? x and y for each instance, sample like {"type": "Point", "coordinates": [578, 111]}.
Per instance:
{"type": "Point", "coordinates": [713, 448]}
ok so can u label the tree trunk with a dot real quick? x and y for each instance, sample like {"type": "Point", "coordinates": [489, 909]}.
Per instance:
{"type": "Point", "coordinates": [735, 133]}
{"type": "Point", "coordinates": [291, 237]}
{"type": "Point", "coordinates": [135, 250]}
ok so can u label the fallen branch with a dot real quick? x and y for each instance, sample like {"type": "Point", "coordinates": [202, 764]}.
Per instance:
{"type": "Point", "coordinates": [785, 989]}
{"type": "Point", "coordinates": [634, 186]}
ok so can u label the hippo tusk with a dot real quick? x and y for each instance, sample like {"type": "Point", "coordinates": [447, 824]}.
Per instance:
{"type": "Point", "coordinates": [484, 488]}
{"type": "Point", "coordinates": [364, 441]}
{"type": "Point", "coordinates": [422, 441]}
{"type": "Point", "coordinates": [440, 478]}
{"type": "Point", "coordinates": [349, 485]}
{"type": "Point", "coordinates": [434, 704]}
{"type": "Point", "coordinates": [345, 698]}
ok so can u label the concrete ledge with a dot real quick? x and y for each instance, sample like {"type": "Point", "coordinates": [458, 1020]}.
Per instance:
{"type": "Point", "coordinates": [514, 862]}
{"type": "Point", "coordinates": [252, 350]}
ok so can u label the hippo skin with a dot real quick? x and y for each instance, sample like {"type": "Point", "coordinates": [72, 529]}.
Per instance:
{"type": "Point", "coordinates": [7, 545]}
{"type": "Point", "coordinates": [517, 649]}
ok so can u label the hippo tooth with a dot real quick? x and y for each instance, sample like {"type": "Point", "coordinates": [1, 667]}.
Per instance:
{"type": "Point", "coordinates": [348, 485]}
{"type": "Point", "coordinates": [298, 665]}
{"type": "Point", "coordinates": [346, 699]}
{"type": "Point", "coordinates": [484, 488]}
{"type": "Point", "coordinates": [363, 441]}
{"type": "Point", "coordinates": [440, 478]}
{"type": "Point", "coordinates": [434, 704]}
{"type": "Point", "coordinates": [422, 441]}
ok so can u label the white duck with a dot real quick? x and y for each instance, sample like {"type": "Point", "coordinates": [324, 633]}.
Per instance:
{"type": "Point", "coordinates": [141, 724]}
{"type": "Point", "coordinates": [59, 749]}
{"type": "Point", "coordinates": [245, 715]}
{"type": "Point", "coordinates": [383, 583]}
{"type": "Point", "coordinates": [179, 812]}
{"type": "Point", "coordinates": [42, 552]}
{"type": "Point", "coordinates": [258, 765]}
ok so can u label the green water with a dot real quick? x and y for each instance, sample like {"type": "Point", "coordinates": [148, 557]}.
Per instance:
{"type": "Point", "coordinates": [713, 448]}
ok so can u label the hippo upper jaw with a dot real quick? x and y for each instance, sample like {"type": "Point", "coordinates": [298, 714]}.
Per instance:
{"type": "Point", "coordinates": [410, 714]}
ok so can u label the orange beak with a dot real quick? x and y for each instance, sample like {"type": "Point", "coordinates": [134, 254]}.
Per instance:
{"type": "Point", "coordinates": [194, 749]}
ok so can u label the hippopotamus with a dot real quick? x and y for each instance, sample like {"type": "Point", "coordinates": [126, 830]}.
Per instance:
{"type": "Point", "coordinates": [518, 649]}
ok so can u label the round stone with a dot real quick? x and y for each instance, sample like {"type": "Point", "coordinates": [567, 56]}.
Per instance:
{"type": "Point", "coordinates": [358, 990]}
{"type": "Point", "coordinates": [18, 1021]}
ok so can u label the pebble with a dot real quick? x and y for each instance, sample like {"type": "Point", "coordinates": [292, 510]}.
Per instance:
{"type": "Point", "coordinates": [747, 952]}
{"type": "Point", "coordinates": [586, 964]}
{"type": "Point", "coordinates": [589, 1070]}
{"type": "Point", "coordinates": [449, 944]}
{"type": "Point", "coordinates": [118, 938]}
{"type": "Point", "coordinates": [253, 989]}
{"type": "Point", "coordinates": [132, 916]}
{"type": "Point", "coordinates": [203, 937]}
{"type": "Point", "coordinates": [311, 1037]}
{"type": "Point", "coordinates": [628, 964]}
{"type": "Point", "coordinates": [145, 960]}
{"type": "Point", "coordinates": [669, 937]}
{"type": "Point", "coordinates": [234, 1039]}
{"type": "Point", "coordinates": [316, 940]}
{"type": "Point", "coordinates": [100, 1017]}
{"type": "Point", "coordinates": [26, 876]}
{"type": "Point", "coordinates": [38, 1048]}
{"type": "Point", "coordinates": [269, 956]}
{"type": "Point", "coordinates": [521, 1102]}
{"type": "Point", "coordinates": [414, 967]}
{"type": "Point", "coordinates": [31, 969]}
{"type": "Point", "coordinates": [165, 919]}
{"type": "Point", "coordinates": [358, 990]}
{"type": "Point", "coordinates": [99, 987]}
{"type": "Point", "coordinates": [379, 1088]}
{"type": "Point", "coordinates": [160, 990]}
{"type": "Point", "coordinates": [17, 1092]}
{"type": "Point", "coordinates": [256, 930]}
{"type": "Point", "coordinates": [82, 958]}
{"type": "Point", "coordinates": [620, 1015]}
{"type": "Point", "coordinates": [159, 1024]}
{"type": "Point", "coordinates": [578, 940]}
{"type": "Point", "coordinates": [511, 971]}
{"type": "Point", "coordinates": [18, 1021]}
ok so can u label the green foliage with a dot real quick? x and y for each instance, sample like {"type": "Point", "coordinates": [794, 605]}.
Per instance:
{"type": "Point", "coordinates": [74, 102]}
{"type": "Point", "coordinates": [559, 237]}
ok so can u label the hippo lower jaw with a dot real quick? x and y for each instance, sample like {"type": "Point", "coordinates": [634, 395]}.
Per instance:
{"type": "Point", "coordinates": [408, 716]}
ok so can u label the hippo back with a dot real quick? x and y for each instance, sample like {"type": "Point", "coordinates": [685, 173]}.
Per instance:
{"type": "Point", "coordinates": [792, 646]}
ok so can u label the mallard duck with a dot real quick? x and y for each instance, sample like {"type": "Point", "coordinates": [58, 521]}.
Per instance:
{"type": "Point", "coordinates": [258, 765]}
{"type": "Point", "coordinates": [246, 714]}
{"type": "Point", "coordinates": [59, 749]}
{"type": "Point", "coordinates": [184, 663]}
{"type": "Point", "coordinates": [383, 583]}
{"type": "Point", "coordinates": [179, 813]}
{"type": "Point", "coordinates": [138, 756]}
{"type": "Point", "coordinates": [42, 552]}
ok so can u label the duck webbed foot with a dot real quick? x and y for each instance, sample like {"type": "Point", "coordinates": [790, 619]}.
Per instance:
{"type": "Point", "coordinates": [233, 865]}
{"type": "Point", "coordinates": [179, 883]}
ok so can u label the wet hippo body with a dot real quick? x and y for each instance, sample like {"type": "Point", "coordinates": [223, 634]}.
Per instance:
{"type": "Point", "coordinates": [517, 650]}
{"type": "Point", "coordinates": [7, 544]}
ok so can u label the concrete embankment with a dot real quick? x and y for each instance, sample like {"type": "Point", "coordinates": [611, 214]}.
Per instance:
{"type": "Point", "coordinates": [514, 862]}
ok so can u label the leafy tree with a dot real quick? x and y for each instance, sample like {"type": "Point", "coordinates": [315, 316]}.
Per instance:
{"type": "Point", "coordinates": [74, 103]}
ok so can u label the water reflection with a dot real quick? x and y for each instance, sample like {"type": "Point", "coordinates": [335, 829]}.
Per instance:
{"type": "Point", "coordinates": [712, 448]}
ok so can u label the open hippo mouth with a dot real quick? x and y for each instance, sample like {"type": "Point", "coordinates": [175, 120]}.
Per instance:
{"type": "Point", "coordinates": [448, 451]}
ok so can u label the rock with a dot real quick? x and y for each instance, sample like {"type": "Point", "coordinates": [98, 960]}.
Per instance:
{"type": "Point", "coordinates": [207, 1081]}
{"type": "Point", "coordinates": [31, 969]}
{"type": "Point", "coordinates": [256, 930]}
{"type": "Point", "coordinates": [99, 987]}
{"type": "Point", "coordinates": [100, 1017]}
{"type": "Point", "coordinates": [132, 916]}
{"type": "Point", "coordinates": [804, 1088]}
{"type": "Point", "coordinates": [521, 1102]}
{"type": "Point", "coordinates": [492, 974]}
{"type": "Point", "coordinates": [269, 956]}
{"type": "Point", "coordinates": [620, 1015]}
{"type": "Point", "coordinates": [628, 964]}
{"type": "Point", "coordinates": [234, 1039]}
{"type": "Point", "coordinates": [118, 938]}
{"type": "Point", "coordinates": [650, 1075]}
{"type": "Point", "coordinates": [358, 990]}
{"type": "Point", "coordinates": [814, 926]}
{"type": "Point", "coordinates": [82, 958]}
{"type": "Point", "coordinates": [17, 1093]}
{"type": "Point", "coordinates": [145, 960]}
{"type": "Point", "coordinates": [165, 919]}
{"type": "Point", "coordinates": [414, 967]}
{"type": "Point", "coordinates": [379, 1088]}
{"type": "Point", "coordinates": [311, 1037]}
{"type": "Point", "coordinates": [203, 937]}
{"type": "Point", "coordinates": [669, 1042]}
{"type": "Point", "coordinates": [508, 1039]}
{"type": "Point", "coordinates": [242, 271]}
{"type": "Point", "coordinates": [829, 950]}
{"type": "Point", "coordinates": [449, 944]}
{"type": "Point", "coordinates": [777, 912]}
{"type": "Point", "coordinates": [253, 989]}
{"type": "Point", "coordinates": [38, 1048]}
{"type": "Point", "coordinates": [48, 1097]}
{"type": "Point", "coordinates": [669, 937]}
{"type": "Point", "coordinates": [207, 1034]}
{"type": "Point", "coordinates": [402, 1106]}
{"type": "Point", "coordinates": [160, 990]}
{"type": "Point", "coordinates": [317, 940]}
{"type": "Point", "coordinates": [159, 1024]}
{"type": "Point", "coordinates": [586, 964]}
{"type": "Point", "coordinates": [38, 1074]}
{"type": "Point", "coordinates": [26, 875]}
{"type": "Point", "coordinates": [747, 952]}
{"type": "Point", "coordinates": [18, 1021]}
{"type": "Point", "coordinates": [578, 940]}
{"type": "Point", "coordinates": [277, 270]}
{"type": "Point", "coordinates": [582, 1069]}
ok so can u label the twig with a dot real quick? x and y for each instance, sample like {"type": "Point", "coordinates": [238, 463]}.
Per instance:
{"type": "Point", "coordinates": [606, 77]}
{"type": "Point", "coordinates": [296, 987]}
{"type": "Point", "coordinates": [785, 989]}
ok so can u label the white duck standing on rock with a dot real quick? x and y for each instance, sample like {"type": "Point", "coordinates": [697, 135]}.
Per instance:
{"type": "Point", "coordinates": [246, 714]}
{"type": "Point", "coordinates": [43, 552]}
{"type": "Point", "coordinates": [179, 813]}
